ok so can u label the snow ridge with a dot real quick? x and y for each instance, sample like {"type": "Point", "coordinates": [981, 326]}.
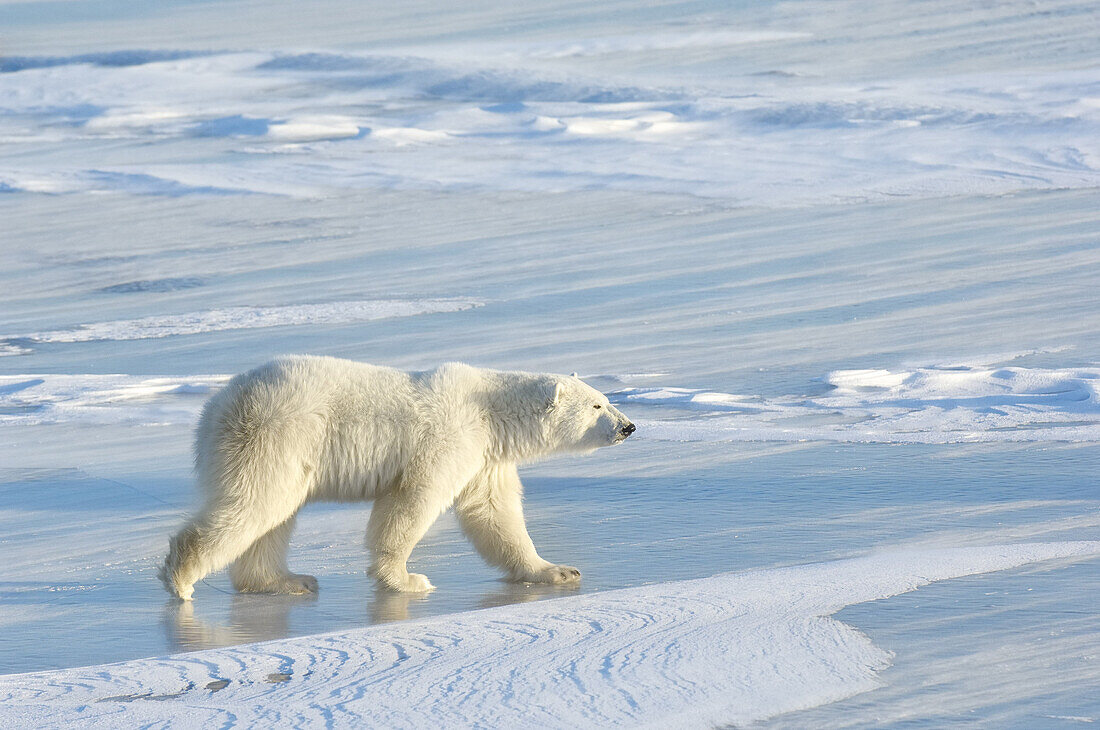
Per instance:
{"type": "Point", "coordinates": [101, 399]}
{"type": "Point", "coordinates": [733, 648]}
{"type": "Point", "coordinates": [940, 404]}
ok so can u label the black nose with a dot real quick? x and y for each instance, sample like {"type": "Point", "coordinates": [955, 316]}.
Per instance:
{"type": "Point", "coordinates": [629, 429]}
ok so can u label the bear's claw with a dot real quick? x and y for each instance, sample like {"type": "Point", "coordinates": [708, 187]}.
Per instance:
{"type": "Point", "coordinates": [299, 584]}
{"type": "Point", "coordinates": [417, 583]}
{"type": "Point", "coordinates": [407, 583]}
{"type": "Point", "coordinates": [555, 574]}
{"type": "Point", "coordinates": [291, 584]}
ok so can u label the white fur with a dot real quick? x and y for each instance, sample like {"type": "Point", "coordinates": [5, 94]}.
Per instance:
{"type": "Point", "coordinates": [301, 428]}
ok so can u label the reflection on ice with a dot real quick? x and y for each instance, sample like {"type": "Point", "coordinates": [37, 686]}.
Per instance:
{"type": "Point", "coordinates": [251, 618]}
{"type": "Point", "coordinates": [194, 625]}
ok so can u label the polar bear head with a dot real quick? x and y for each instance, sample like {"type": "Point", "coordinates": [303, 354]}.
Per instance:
{"type": "Point", "coordinates": [576, 417]}
{"type": "Point", "coordinates": [532, 415]}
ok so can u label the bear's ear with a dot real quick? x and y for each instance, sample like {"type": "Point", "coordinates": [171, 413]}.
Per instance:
{"type": "Point", "coordinates": [550, 393]}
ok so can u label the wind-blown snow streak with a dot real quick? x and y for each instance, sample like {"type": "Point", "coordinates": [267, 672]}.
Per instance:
{"type": "Point", "coordinates": [644, 43]}
{"type": "Point", "coordinates": [733, 648]}
{"type": "Point", "coordinates": [99, 399]}
{"type": "Point", "coordinates": [918, 405]}
{"type": "Point", "coordinates": [233, 318]}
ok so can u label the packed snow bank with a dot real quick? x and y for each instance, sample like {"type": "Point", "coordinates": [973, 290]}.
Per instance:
{"type": "Point", "coordinates": [919, 405]}
{"type": "Point", "coordinates": [733, 648]}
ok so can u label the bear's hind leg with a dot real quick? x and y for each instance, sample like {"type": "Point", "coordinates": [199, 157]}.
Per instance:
{"type": "Point", "coordinates": [209, 543]}
{"type": "Point", "coordinates": [262, 567]}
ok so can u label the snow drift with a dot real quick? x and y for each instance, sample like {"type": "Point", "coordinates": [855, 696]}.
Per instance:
{"type": "Point", "coordinates": [733, 648]}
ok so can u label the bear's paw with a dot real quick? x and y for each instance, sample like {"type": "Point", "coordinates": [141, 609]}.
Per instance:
{"type": "Point", "coordinates": [297, 585]}
{"type": "Point", "coordinates": [555, 574]}
{"type": "Point", "coordinates": [417, 583]}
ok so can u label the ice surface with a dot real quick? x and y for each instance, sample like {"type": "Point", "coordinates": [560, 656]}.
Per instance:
{"type": "Point", "coordinates": [731, 649]}
{"type": "Point", "coordinates": [837, 260]}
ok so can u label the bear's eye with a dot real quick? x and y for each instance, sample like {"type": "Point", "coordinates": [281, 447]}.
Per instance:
{"type": "Point", "coordinates": [597, 406]}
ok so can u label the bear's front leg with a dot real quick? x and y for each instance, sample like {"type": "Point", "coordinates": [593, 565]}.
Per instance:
{"type": "Point", "coordinates": [398, 519]}
{"type": "Point", "coordinates": [490, 511]}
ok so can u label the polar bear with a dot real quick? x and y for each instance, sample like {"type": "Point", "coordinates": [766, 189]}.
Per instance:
{"type": "Point", "coordinates": [304, 428]}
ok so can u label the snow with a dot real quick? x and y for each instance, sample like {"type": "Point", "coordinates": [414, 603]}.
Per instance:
{"type": "Point", "coordinates": [533, 117]}
{"type": "Point", "coordinates": [233, 318]}
{"type": "Point", "coordinates": [836, 260]}
{"type": "Point", "coordinates": [49, 398]}
{"type": "Point", "coordinates": [921, 405]}
{"type": "Point", "coordinates": [730, 649]}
